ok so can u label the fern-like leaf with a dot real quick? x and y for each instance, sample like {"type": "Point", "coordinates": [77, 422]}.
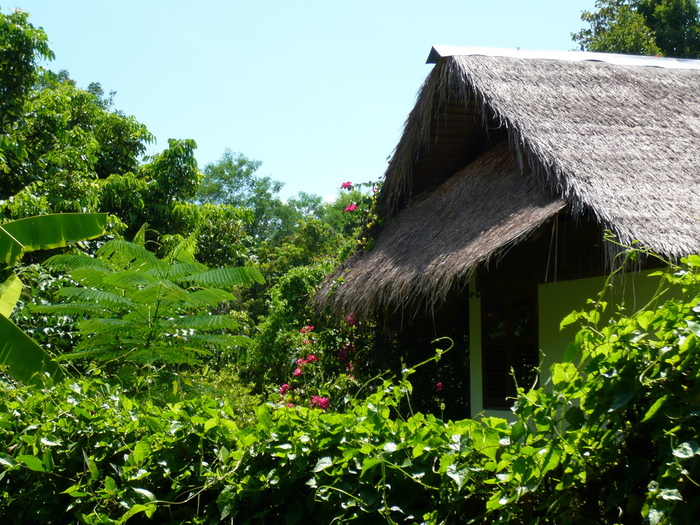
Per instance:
{"type": "Point", "coordinates": [226, 277]}
{"type": "Point", "coordinates": [72, 260]}
{"type": "Point", "coordinates": [123, 255]}
{"type": "Point", "coordinates": [76, 308]}
{"type": "Point", "coordinates": [207, 322]}
{"type": "Point", "coordinates": [221, 340]}
{"type": "Point", "coordinates": [210, 297]}
{"type": "Point", "coordinates": [89, 276]}
{"type": "Point", "coordinates": [101, 297]}
{"type": "Point", "coordinates": [129, 279]}
{"type": "Point", "coordinates": [181, 270]}
{"type": "Point", "coordinates": [162, 293]}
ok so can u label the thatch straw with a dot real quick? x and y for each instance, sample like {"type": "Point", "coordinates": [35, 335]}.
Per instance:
{"type": "Point", "coordinates": [621, 141]}
{"type": "Point", "coordinates": [617, 142]}
{"type": "Point", "coordinates": [435, 243]}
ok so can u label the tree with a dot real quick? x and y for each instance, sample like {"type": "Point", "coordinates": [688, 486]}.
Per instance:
{"type": "Point", "coordinates": [21, 47]}
{"type": "Point", "coordinates": [233, 181]}
{"type": "Point", "coordinates": [642, 27]}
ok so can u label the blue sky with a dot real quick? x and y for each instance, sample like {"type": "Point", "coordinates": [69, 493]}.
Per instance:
{"type": "Point", "coordinates": [318, 90]}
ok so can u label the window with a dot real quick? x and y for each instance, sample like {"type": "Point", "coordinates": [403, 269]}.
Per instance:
{"type": "Point", "coordinates": [509, 344]}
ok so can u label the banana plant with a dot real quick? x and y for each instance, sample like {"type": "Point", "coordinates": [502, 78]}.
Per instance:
{"type": "Point", "coordinates": [20, 356]}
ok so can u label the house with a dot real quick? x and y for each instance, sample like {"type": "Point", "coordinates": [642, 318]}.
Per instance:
{"type": "Point", "coordinates": [511, 168]}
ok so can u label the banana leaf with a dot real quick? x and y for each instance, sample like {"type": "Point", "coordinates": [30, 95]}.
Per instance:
{"type": "Point", "coordinates": [25, 360]}
{"type": "Point", "coordinates": [10, 291]}
{"type": "Point", "coordinates": [44, 232]}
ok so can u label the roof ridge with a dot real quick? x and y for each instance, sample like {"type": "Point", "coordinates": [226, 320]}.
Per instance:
{"type": "Point", "coordinates": [437, 52]}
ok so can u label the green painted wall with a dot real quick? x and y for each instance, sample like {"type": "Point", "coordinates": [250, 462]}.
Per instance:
{"type": "Point", "coordinates": [556, 301]}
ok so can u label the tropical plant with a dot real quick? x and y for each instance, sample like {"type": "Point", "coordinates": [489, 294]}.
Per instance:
{"type": "Point", "coordinates": [24, 358]}
{"type": "Point", "coordinates": [142, 309]}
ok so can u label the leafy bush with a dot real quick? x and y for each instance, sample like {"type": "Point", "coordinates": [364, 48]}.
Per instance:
{"type": "Point", "coordinates": [611, 439]}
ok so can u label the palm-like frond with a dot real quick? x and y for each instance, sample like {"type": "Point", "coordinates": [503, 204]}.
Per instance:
{"type": "Point", "coordinates": [207, 322]}
{"type": "Point", "coordinates": [123, 255]}
{"type": "Point", "coordinates": [210, 297]}
{"type": "Point", "coordinates": [90, 276]}
{"type": "Point", "coordinates": [220, 340]}
{"type": "Point", "coordinates": [184, 251]}
{"type": "Point", "coordinates": [181, 270]}
{"type": "Point", "coordinates": [226, 277]}
{"type": "Point", "coordinates": [162, 292]}
{"type": "Point", "coordinates": [117, 331]}
{"type": "Point", "coordinates": [129, 279]}
{"type": "Point", "coordinates": [73, 260]}
{"type": "Point", "coordinates": [137, 308]}
{"type": "Point", "coordinates": [107, 299]}
{"type": "Point", "coordinates": [73, 308]}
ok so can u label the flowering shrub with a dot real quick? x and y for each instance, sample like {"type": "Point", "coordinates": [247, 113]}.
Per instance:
{"type": "Point", "coordinates": [365, 204]}
{"type": "Point", "coordinates": [319, 402]}
{"type": "Point", "coordinates": [314, 377]}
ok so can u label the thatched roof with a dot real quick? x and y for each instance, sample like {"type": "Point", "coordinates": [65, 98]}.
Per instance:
{"type": "Point", "coordinates": [619, 141]}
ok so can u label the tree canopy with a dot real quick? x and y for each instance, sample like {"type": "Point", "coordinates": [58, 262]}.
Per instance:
{"type": "Point", "coordinates": [642, 27]}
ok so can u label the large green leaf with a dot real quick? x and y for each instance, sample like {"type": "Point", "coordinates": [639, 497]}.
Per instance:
{"type": "Point", "coordinates": [10, 291]}
{"type": "Point", "coordinates": [47, 231]}
{"type": "Point", "coordinates": [24, 358]}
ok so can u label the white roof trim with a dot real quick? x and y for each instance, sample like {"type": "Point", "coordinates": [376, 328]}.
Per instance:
{"type": "Point", "coordinates": [438, 52]}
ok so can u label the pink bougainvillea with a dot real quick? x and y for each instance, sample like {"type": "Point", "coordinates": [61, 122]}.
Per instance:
{"type": "Point", "coordinates": [351, 207]}
{"type": "Point", "coordinates": [438, 387]}
{"type": "Point", "coordinates": [346, 186]}
{"type": "Point", "coordinates": [320, 402]}
{"type": "Point", "coordinates": [285, 388]}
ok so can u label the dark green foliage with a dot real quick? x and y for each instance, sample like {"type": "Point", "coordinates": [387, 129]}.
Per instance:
{"type": "Point", "coordinates": [56, 334]}
{"type": "Point", "coordinates": [83, 451]}
{"type": "Point", "coordinates": [643, 27]}
{"type": "Point", "coordinates": [21, 47]}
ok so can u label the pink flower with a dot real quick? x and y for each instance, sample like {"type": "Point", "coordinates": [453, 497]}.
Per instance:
{"type": "Point", "coordinates": [351, 207]}
{"type": "Point", "coordinates": [297, 372]}
{"type": "Point", "coordinates": [311, 358]}
{"type": "Point", "coordinates": [346, 186]}
{"type": "Point", "coordinates": [351, 320]}
{"type": "Point", "coordinates": [438, 387]}
{"type": "Point", "coordinates": [285, 388]}
{"type": "Point", "coordinates": [301, 361]}
{"type": "Point", "coordinates": [290, 405]}
{"type": "Point", "coordinates": [320, 402]}
{"type": "Point", "coordinates": [306, 329]}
